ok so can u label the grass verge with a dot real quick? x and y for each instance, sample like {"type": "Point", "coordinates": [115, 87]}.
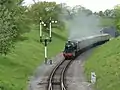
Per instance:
{"type": "Point", "coordinates": [105, 62]}
{"type": "Point", "coordinates": [18, 65]}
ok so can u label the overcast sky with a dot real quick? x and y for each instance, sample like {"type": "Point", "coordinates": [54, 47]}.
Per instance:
{"type": "Point", "coordinates": [94, 5]}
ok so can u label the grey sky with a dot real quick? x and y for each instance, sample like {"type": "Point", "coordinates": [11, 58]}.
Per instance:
{"type": "Point", "coordinates": [94, 5]}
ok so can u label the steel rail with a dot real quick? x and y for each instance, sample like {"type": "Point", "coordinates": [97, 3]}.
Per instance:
{"type": "Point", "coordinates": [63, 75]}
{"type": "Point", "coordinates": [50, 85]}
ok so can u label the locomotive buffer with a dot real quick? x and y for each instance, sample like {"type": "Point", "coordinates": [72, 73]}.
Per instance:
{"type": "Point", "coordinates": [46, 40]}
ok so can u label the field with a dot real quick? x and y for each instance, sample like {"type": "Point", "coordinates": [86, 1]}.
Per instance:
{"type": "Point", "coordinates": [105, 62]}
{"type": "Point", "coordinates": [19, 64]}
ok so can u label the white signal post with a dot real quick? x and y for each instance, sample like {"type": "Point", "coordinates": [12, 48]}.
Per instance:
{"type": "Point", "coordinates": [46, 40]}
{"type": "Point", "coordinates": [50, 24]}
{"type": "Point", "coordinates": [45, 52]}
{"type": "Point", "coordinates": [41, 23]}
{"type": "Point", "coordinates": [50, 27]}
{"type": "Point", "coordinates": [40, 28]}
{"type": "Point", "coordinates": [93, 77]}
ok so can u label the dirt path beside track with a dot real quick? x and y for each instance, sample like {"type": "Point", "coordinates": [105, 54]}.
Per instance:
{"type": "Point", "coordinates": [75, 74]}
{"type": "Point", "coordinates": [39, 80]}
{"type": "Point", "coordinates": [75, 78]}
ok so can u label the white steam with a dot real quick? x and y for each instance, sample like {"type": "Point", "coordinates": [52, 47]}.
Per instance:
{"type": "Point", "coordinates": [83, 25]}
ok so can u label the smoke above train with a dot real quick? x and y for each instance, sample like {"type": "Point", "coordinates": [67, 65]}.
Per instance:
{"type": "Point", "coordinates": [82, 25]}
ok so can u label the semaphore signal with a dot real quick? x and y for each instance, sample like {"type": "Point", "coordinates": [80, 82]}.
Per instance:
{"type": "Point", "coordinates": [46, 40]}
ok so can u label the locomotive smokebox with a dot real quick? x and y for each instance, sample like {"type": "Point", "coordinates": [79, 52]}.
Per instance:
{"type": "Point", "coordinates": [69, 50]}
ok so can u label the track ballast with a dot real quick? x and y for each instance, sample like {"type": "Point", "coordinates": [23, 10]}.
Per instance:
{"type": "Point", "coordinates": [56, 78]}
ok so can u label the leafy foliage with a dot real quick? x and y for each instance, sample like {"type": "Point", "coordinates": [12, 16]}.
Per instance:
{"type": "Point", "coordinates": [104, 61]}
{"type": "Point", "coordinates": [8, 29]}
{"type": "Point", "coordinates": [46, 10]}
{"type": "Point", "coordinates": [12, 23]}
{"type": "Point", "coordinates": [117, 16]}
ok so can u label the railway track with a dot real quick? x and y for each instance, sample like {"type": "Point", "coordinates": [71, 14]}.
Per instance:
{"type": "Point", "coordinates": [56, 78]}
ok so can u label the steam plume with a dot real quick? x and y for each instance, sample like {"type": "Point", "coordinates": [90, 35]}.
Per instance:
{"type": "Point", "coordinates": [83, 25]}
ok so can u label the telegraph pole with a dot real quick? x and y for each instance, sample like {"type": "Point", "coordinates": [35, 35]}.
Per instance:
{"type": "Point", "coordinates": [46, 40]}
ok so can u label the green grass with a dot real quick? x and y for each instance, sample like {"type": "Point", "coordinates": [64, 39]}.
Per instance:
{"type": "Point", "coordinates": [105, 62]}
{"type": "Point", "coordinates": [18, 65]}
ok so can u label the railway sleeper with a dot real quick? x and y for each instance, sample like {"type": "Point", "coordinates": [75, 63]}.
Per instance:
{"type": "Point", "coordinates": [56, 83]}
{"type": "Point", "coordinates": [41, 83]}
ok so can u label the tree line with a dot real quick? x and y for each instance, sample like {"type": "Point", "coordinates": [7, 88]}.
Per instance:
{"type": "Point", "coordinates": [16, 19]}
{"type": "Point", "coordinates": [112, 15]}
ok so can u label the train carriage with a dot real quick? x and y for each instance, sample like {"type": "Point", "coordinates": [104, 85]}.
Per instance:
{"type": "Point", "coordinates": [76, 46]}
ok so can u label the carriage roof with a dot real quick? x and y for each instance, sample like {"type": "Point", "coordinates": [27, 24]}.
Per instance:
{"type": "Point", "coordinates": [89, 37]}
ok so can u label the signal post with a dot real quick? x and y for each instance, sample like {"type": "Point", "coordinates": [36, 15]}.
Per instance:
{"type": "Point", "coordinates": [46, 39]}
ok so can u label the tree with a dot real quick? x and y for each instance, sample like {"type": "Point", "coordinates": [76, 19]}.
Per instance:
{"type": "Point", "coordinates": [77, 10]}
{"type": "Point", "coordinates": [109, 13]}
{"type": "Point", "coordinates": [8, 28]}
{"type": "Point", "coordinates": [101, 13]}
{"type": "Point", "coordinates": [117, 16]}
{"type": "Point", "coordinates": [11, 12]}
{"type": "Point", "coordinates": [46, 10]}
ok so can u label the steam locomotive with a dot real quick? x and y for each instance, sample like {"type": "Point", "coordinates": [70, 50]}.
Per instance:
{"type": "Point", "coordinates": [76, 46]}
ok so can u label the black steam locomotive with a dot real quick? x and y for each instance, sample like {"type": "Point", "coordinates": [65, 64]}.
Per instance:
{"type": "Point", "coordinates": [70, 50]}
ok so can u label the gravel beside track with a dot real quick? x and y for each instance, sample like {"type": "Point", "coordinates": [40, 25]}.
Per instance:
{"type": "Point", "coordinates": [75, 78]}
{"type": "Point", "coordinates": [39, 79]}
